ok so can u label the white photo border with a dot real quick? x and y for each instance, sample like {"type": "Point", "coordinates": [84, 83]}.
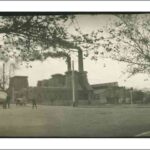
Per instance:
{"type": "Point", "coordinates": [75, 6]}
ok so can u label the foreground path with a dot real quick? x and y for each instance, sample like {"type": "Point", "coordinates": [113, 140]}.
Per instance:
{"type": "Point", "coordinates": [61, 121]}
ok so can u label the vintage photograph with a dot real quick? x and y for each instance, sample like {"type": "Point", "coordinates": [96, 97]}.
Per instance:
{"type": "Point", "coordinates": [80, 75]}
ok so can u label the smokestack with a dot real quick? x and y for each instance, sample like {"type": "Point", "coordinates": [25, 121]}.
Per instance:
{"type": "Point", "coordinates": [80, 60]}
{"type": "Point", "coordinates": [69, 63]}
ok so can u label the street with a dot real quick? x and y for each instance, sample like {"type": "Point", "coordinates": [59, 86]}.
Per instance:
{"type": "Point", "coordinates": [66, 121]}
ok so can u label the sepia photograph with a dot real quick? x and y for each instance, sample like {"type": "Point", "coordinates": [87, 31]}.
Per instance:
{"type": "Point", "coordinates": [74, 74]}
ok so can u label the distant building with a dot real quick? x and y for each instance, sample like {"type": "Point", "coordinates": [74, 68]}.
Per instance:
{"type": "Point", "coordinates": [59, 86]}
{"type": "Point", "coordinates": [57, 80]}
{"type": "Point", "coordinates": [16, 85]}
{"type": "Point", "coordinates": [111, 93]}
{"type": "Point", "coordinates": [18, 82]}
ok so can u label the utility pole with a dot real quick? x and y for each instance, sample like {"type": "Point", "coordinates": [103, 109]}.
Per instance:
{"type": "Point", "coordinates": [4, 75]}
{"type": "Point", "coordinates": [13, 95]}
{"type": "Point", "coordinates": [131, 95]}
{"type": "Point", "coordinates": [12, 90]}
{"type": "Point", "coordinates": [73, 85]}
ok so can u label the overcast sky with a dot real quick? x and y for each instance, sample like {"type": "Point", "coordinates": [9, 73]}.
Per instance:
{"type": "Point", "coordinates": [101, 71]}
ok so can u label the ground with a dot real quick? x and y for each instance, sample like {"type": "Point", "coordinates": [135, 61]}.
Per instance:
{"type": "Point", "coordinates": [66, 121]}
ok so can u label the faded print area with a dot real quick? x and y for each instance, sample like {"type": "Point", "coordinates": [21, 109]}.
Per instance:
{"type": "Point", "coordinates": [74, 75]}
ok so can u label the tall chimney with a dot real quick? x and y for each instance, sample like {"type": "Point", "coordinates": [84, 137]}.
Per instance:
{"type": "Point", "coordinates": [68, 63]}
{"type": "Point", "coordinates": [80, 60]}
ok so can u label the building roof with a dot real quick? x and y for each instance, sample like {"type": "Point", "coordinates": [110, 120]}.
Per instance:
{"type": "Point", "coordinates": [101, 85]}
{"type": "Point", "coordinates": [20, 77]}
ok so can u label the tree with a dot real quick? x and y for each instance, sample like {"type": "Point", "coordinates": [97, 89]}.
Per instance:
{"type": "Point", "coordinates": [24, 35]}
{"type": "Point", "coordinates": [38, 37]}
{"type": "Point", "coordinates": [128, 40]}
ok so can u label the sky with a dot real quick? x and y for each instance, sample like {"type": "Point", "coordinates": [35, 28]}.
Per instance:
{"type": "Point", "coordinates": [101, 71]}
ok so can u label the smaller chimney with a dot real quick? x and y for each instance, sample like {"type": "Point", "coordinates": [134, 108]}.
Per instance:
{"type": "Point", "coordinates": [80, 60]}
